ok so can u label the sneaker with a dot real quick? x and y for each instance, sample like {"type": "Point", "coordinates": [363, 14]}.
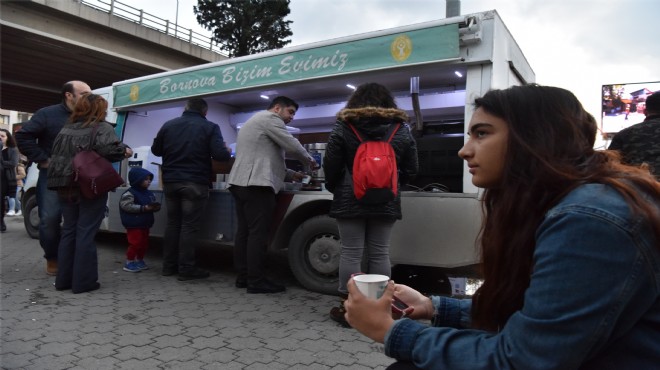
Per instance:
{"type": "Point", "coordinates": [19, 213]}
{"type": "Point", "coordinates": [132, 266]}
{"type": "Point", "coordinates": [264, 286]}
{"type": "Point", "coordinates": [197, 273]}
{"type": "Point", "coordinates": [142, 265]}
{"type": "Point", "coordinates": [11, 213]}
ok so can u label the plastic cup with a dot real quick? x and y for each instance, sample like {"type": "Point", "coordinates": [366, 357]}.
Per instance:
{"type": "Point", "coordinates": [371, 285]}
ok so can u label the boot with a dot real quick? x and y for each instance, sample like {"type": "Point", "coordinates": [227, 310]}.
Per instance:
{"type": "Point", "coordinates": [337, 313]}
{"type": "Point", "coordinates": [51, 267]}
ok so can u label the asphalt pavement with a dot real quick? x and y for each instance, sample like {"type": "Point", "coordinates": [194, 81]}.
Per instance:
{"type": "Point", "coordinates": [148, 321]}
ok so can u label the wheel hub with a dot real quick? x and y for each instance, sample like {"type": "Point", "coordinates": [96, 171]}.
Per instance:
{"type": "Point", "coordinates": [323, 254]}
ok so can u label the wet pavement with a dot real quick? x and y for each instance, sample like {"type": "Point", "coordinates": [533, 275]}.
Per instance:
{"type": "Point", "coordinates": [148, 321]}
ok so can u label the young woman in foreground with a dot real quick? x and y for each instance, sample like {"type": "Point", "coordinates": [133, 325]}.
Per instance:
{"type": "Point", "coordinates": [570, 250]}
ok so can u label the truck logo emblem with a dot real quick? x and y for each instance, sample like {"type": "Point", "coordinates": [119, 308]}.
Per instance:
{"type": "Point", "coordinates": [401, 48]}
{"type": "Point", "coordinates": [135, 93]}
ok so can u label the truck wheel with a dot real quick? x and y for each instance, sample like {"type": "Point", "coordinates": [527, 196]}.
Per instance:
{"type": "Point", "coordinates": [31, 216]}
{"type": "Point", "coordinates": [314, 254]}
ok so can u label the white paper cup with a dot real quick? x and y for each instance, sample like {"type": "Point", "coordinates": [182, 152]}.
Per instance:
{"type": "Point", "coordinates": [371, 285]}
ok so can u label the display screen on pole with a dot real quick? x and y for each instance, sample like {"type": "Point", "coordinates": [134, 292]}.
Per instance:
{"type": "Point", "coordinates": [623, 105]}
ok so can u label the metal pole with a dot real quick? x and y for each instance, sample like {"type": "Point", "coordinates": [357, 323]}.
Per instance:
{"type": "Point", "coordinates": [176, 19]}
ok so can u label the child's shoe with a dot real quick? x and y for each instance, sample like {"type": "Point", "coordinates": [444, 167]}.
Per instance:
{"type": "Point", "coordinates": [132, 266]}
{"type": "Point", "coordinates": [141, 265]}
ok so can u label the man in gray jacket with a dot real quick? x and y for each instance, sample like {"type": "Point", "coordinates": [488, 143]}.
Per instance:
{"type": "Point", "coordinates": [256, 177]}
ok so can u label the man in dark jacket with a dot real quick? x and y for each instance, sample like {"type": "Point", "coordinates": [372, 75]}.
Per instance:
{"type": "Point", "coordinates": [35, 140]}
{"type": "Point", "coordinates": [640, 143]}
{"type": "Point", "coordinates": [187, 144]}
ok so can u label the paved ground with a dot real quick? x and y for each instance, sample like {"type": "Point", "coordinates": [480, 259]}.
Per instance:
{"type": "Point", "coordinates": [147, 321]}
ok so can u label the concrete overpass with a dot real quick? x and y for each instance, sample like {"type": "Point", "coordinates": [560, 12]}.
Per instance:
{"type": "Point", "coordinates": [45, 43]}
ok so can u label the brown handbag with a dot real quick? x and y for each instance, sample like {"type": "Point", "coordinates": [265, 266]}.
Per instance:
{"type": "Point", "coordinates": [94, 174]}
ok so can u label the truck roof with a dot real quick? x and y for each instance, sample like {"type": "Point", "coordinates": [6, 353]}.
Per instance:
{"type": "Point", "coordinates": [320, 71]}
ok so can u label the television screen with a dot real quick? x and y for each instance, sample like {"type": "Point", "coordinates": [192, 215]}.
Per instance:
{"type": "Point", "coordinates": [623, 105]}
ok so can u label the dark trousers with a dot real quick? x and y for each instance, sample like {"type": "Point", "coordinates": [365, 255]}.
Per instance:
{"type": "Point", "coordinates": [77, 266]}
{"type": "Point", "coordinates": [185, 203]}
{"type": "Point", "coordinates": [50, 216]}
{"type": "Point", "coordinates": [255, 206]}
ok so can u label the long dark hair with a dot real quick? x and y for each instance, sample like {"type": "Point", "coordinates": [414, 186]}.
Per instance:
{"type": "Point", "coordinates": [371, 95]}
{"type": "Point", "coordinates": [11, 143]}
{"type": "Point", "coordinates": [90, 109]}
{"type": "Point", "coordinates": [550, 152]}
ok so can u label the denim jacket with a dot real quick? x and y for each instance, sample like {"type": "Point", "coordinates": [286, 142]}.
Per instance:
{"type": "Point", "coordinates": [592, 303]}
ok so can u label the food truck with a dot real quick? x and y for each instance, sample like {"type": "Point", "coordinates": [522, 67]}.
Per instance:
{"type": "Point", "coordinates": [434, 69]}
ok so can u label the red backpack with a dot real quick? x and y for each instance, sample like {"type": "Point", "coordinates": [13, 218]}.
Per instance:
{"type": "Point", "coordinates": [375, 174]}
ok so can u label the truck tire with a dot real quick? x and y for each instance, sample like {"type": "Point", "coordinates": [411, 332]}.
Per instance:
{"type": "Point", "coordinates": [31, 215]}
{"type": "Point", "coordinates": [314, 254]}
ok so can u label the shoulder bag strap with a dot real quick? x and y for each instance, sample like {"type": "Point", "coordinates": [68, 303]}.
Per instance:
{"type": "Point", "coordinates": [92, 137]}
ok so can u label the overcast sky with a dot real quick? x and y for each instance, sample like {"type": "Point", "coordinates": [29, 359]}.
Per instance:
{"type": "Point", "coordinates": [575, 44]}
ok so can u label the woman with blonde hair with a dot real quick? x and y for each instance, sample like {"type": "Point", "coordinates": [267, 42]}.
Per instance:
{"type": "Point", "coordinates": [77, 258]}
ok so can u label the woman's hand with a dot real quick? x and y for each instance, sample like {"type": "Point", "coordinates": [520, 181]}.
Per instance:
{"type": "Point", "coordinates": [373, 318]}
{"type": "Point", "coordinates": [421, 304]}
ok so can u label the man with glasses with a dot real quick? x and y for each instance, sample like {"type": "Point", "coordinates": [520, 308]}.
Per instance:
{"type": "Point", "coordinates": [35, 141]}
{"type": "Point", "coordinates": [257, 175]}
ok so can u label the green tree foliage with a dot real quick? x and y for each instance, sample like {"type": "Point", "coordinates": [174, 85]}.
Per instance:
{"type": "Point", "coordinates": [243, 27]}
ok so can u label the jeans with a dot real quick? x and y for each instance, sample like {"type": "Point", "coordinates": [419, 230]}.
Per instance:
{"type": "Point", "coordinates": [78, 263]}
{"type": "Point", "coordinates": [185, 205]}
{"type": "Point", "coordinates": [14, 203]}
{"type": "Point", "coordinates": [50, 216]}
{"type": "Point", "coordinates": [255, 206]}
{"type": "Point", "coordinates": [357, 234]}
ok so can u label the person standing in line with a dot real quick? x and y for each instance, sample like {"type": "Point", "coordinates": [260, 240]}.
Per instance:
{"type": "Point", "coordinates": [256, 177]}
{"type": "Point", "coordinates": [15, 202]}
{"type": "Point", "coordinates": [570, 249]}
{"type": "Point", "coordinates": [35, 140]}
{"type": "Point", "coordinates": [8, 175]}
{"type": "Point", "coordinates": [187, 145]}
{"type": "Point", "coordinates": [136, 209]}
{"type": "Point", "coordinates": [77, 255]}
{"type": "Point", "coordinates": [640, 144]}
{"type": "Point", "coordinates": [372, 111]}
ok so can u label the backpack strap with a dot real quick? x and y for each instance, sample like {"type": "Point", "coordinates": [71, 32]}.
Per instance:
{"type": "Point", "coordinates": [391, 131]}
{"type": "Point", "coordinates": [355, 132]}
{"type": "Point", "coordinates": [389, 135]}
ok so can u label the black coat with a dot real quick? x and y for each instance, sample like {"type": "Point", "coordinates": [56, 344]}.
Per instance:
{"type": "Point", "coordinates": [339, 154]}
{"type": "Point", "coordinates": [187, 144]}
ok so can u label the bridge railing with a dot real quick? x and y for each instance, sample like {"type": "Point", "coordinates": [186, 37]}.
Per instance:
{"type": "Point", "coordinates": [139, 16]}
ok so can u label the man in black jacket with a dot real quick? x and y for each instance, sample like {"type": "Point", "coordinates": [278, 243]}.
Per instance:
{"type": "Point", "coordinates": [187, 144]}
{"type": "Point", "coordinates": [35, 140]}
{"type": "Point", "coordinates": [640, 143]}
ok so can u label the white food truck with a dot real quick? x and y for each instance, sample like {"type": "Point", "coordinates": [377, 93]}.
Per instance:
{"type": "Point", "coordinates": [435, 70]}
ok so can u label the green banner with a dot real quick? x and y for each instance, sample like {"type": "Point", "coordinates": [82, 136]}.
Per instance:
{"type": "Point", "coordinates": [406, 48]}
